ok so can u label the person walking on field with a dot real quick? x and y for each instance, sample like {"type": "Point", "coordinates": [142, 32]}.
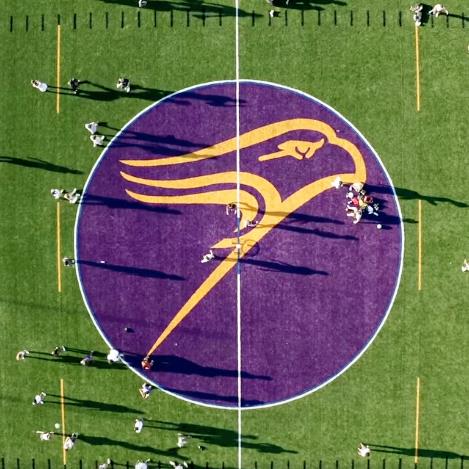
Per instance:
{"type": "Point", "coordinates": [41, 86]}
{"type": "Point", "coordinates": [138, 425]}
{"type": "Point", "coordinates": [437, 9]}
{"type": "Point", "coordinates": [39, 398]}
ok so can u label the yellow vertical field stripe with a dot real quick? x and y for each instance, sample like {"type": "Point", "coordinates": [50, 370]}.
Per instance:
{"type": "Point", "coordinates": [417, 66]}
{"type": "Point", "coordinates": [57, 102]}
{"type": "Point", "coordinates": [59, 249]}
{"type": "Point", "coordinates": [417, 421]}
{"type": "Point", "coordinates": [62, 409]}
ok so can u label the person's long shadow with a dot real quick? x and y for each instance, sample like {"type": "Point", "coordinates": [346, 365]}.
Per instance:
{"type": "Point", "coordinates": [37, 163]}
{"type": "Point", "coordinates": [166, 140]}
{"type": "Point", "coordinates": [137, 271]}
{"type": "Point", "coordinates": [422, 452]}
{"type": "Point", "coordinates": [409, 194]}
{"type": "Point", "coordinates": [212, 397]}
{"type": "Point", "coordinates": [175, 364]}
{"type": "Point", "coordinates": [317, 5]}
{"type": "Point", "coordinates": [462, 17]}
{"type": "Point", "coordinates": [281, 267]}
{"type": "Point", "coordinates": [184, 5]}
{"type": "Point", "coordinates": [105, 93]}
{"type": "Point", "coordinates": [75, 361]}
{"type": "Point", "coordinates": [111, 202]}
{"type": "Point", "coordinates": [94, 405]}
{"type": "Point", "coordinates": [102, 440]}
{"type": "Point", "coordinates": [217, 436]}
{"type": "Point", "coordinates": [314, 231]}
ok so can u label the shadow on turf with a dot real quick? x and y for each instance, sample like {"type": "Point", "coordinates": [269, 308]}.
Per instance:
{"type": "Point", "coordinates": [91, 199]}
{"type": "Point", "coordinates": [209, 8]}
{"type": "Point", "coordinates": [104, 93]}
{"type": "Point", "coordinates": [422, 452]}
{"type": "Point", "coordinates": [164, 143]}
{"type": "Point", "coordinates": [273, 265]}
{"type": "Point", "coordinates": [175, 364]}
{"type": "Point", "coordinates": [93, 405]}
{"type": "Point", "coordinates": [317, 5]}
{"type": "Point", "coordinates": [137, 271]}
{"type": "Point", "coordinates": [212, 397]}
{"type": "Point", "coordinates": [63, 358]}
{"type": "Point", "coordinates": [102, 440]}
{"type": "Point", "coordinates": [409, 194]}
{"type": "Point", "coordinates": [217, 436]}
{"type": "Point", "coordinates": [37, 163]}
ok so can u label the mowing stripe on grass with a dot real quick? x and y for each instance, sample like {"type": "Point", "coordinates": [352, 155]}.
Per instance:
{"type": "Point", "coordinates": [62, 410]}
{"type": "Point", "coordinates": [417, 67]}
{"type": "Point", "coordinates": [420, 246]}
{"type": "Point", "coordinates": [59, 248]}
{"type": "Point", "coordinates": [57, 101]}
{"type": "Point", "coordinates": [417, 418]}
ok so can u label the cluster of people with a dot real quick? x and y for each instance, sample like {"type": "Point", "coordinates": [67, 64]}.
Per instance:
{"type": "Point", "coordinates": [358, 201]}
{"type": "Point", "coordinates": [96, 139]}
{"type": "Point", "coordinates": [418, 11]}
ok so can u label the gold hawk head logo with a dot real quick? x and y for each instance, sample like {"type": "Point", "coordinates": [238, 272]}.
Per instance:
{"type": "Point", "coordinates": [275, 209]}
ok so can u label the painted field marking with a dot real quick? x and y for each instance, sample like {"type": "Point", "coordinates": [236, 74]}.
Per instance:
{"type": "Point", "coordinates": [238, 274]}
{"type": "Point", "coordinates": [59, 248]}
{"type": "Point", "coordinates": [417, 418]}
{"type": "Point", "coordinates": [417, 66]}
{"type": "Point", "coordinates": [62, 409]}
{"type": "Point", "coordinates": [57, 102]}
{"type": "Point", "coordinates": [420, 246]}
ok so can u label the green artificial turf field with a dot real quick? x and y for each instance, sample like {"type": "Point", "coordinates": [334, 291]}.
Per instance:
{"type": "Point", "coordinates": [363, 66]}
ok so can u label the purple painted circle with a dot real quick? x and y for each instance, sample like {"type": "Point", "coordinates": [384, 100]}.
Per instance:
{"type": "Point", "coordinates": [314, 291]}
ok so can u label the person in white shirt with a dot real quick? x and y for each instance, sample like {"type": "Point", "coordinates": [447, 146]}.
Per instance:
{"type": "Point", "coordinates": [39, 398]}
{"type": "Point", "coordinates": [70, 441]}
{"type": "Point", "coordinates": [182, 440]}
{"type": "Point", "coordinates": [98, 140]}
{"type": "Point", "coordinates": [138, 425]}
{"type": "Point", "coordinates": [41, 86]}
{"type": "Point", "coordinates": [91, 127]}
{"type": "Point", "coordinates": [208, 257]}
{"type": "Point", "coordinates": [437, 9]}
{"type": "Point", "coordinates": [465, 266]}
{"type": "Point", "coordinates": [113, 356]}
{"type": "Point", "coordinates": [363, 450]}
{"type": "Point", "coordinates": [22, 354]}
{"type": "Point", "coordinates": [45, 436]}
{"type": "Point", "coordinates": [142, 464]}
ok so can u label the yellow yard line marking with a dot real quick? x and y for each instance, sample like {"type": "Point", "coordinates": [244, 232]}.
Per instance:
{"type": "Point", "coordinates": [417, 66]}
{"type": "Point", "coordinates": [420, 245]}
{"type": "Point", "coordinates": [59, 248]}
{"type": "Point", "coordinates": [57, 103]}
{"type": "Point", "coordinates": [417, 417]}
{"type": "Point", "coordinates": [62, 408]}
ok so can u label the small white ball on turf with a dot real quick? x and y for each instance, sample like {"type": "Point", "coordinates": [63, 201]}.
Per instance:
{"type": "Point", "coordinates": [379, 226]}
{"type": "Point", "coordinates": [57, 426]}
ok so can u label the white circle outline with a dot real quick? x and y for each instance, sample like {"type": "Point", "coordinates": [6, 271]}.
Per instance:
{"type": "Point", "coordinates": [396, 287]}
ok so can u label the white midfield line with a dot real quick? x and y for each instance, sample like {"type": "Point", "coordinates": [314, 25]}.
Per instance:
{"type": "Point", "coordinates": [238, 273]}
